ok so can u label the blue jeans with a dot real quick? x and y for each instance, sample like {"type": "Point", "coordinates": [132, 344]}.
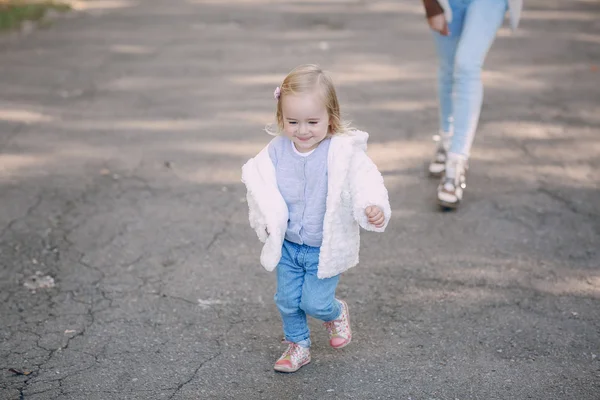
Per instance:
{"type": "Point", "coordinates": [301, 293]}
{"type": "Point", "coordinates": [461, 56]}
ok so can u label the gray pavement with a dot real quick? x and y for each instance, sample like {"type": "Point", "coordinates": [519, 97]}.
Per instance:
{"type": "Point", "coordinates": [122, 134]}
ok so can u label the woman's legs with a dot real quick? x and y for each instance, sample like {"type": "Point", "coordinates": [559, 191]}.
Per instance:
{"type": "Point", "coordinates": [481, 22]}
{"type": "Point", "coordinates": [461, 56]}
{"type": "Point", "coordinates": [446, 47]}
{"type": "Point", "coordinates": [446, 50]}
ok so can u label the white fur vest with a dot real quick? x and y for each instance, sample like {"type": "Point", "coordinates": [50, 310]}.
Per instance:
{"type": "Point", "coordinates": [354, 183]}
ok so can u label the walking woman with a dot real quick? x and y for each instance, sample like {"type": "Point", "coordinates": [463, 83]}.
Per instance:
{"type": "Point", "coordinates": [464, 31]}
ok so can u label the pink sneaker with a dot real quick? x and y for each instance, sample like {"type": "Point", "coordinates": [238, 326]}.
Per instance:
{"type": "Point", "coordinates": [339, 330]}
{"type": "Point", "coordinates": [293, 358]}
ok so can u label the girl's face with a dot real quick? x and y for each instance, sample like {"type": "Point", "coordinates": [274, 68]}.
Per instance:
{"type": "Point", "coordinates": [305, 120]}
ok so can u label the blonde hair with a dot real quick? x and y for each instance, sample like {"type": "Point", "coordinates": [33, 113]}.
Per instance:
{"type": "Point", "coordinates": [307, 78]}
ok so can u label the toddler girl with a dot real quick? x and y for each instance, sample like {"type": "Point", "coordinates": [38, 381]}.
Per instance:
{"type": "Point", "coordinates": [308, 192]}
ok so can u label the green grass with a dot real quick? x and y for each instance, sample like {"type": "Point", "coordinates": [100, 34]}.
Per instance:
{"type": "Point", "coordinates": [14, 12]}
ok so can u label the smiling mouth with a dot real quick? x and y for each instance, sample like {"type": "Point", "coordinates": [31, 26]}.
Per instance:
{"type": "Point", "coordinates": [303, 139]}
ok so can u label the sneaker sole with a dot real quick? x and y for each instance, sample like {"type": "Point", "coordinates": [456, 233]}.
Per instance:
{"type": "Point", "coordinates": [350, 328]}
{"type": "Point", "coordinates": [290, 370]}
{"type": "Point", "coordinates": [446, 205]}
{"type": "Point", "coordinates": [435, 174]}
{"type": "Point", "coordinates": [344, 345]}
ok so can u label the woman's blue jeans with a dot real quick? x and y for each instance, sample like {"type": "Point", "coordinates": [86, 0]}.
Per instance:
{"type": "Point", "coordinates": [461, 56]}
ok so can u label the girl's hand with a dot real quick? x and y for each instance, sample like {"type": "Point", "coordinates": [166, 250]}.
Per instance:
{"type": "Point", "coordinates": [375, 216]}
{"type": "Point", "coordinates": [438, 23]}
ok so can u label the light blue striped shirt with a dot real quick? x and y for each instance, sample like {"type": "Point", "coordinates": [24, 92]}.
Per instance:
{"type": "Point", "coordinates": [302, 181]}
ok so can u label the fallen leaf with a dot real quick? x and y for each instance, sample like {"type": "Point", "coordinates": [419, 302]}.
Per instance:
{"type": "Point", "coordinates": [19, 372]}
{"type": "Point", "coordinates": [70, 331]}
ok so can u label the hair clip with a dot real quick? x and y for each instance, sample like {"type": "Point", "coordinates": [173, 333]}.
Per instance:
{"type": "Point", "coordinates": [277, 93]}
